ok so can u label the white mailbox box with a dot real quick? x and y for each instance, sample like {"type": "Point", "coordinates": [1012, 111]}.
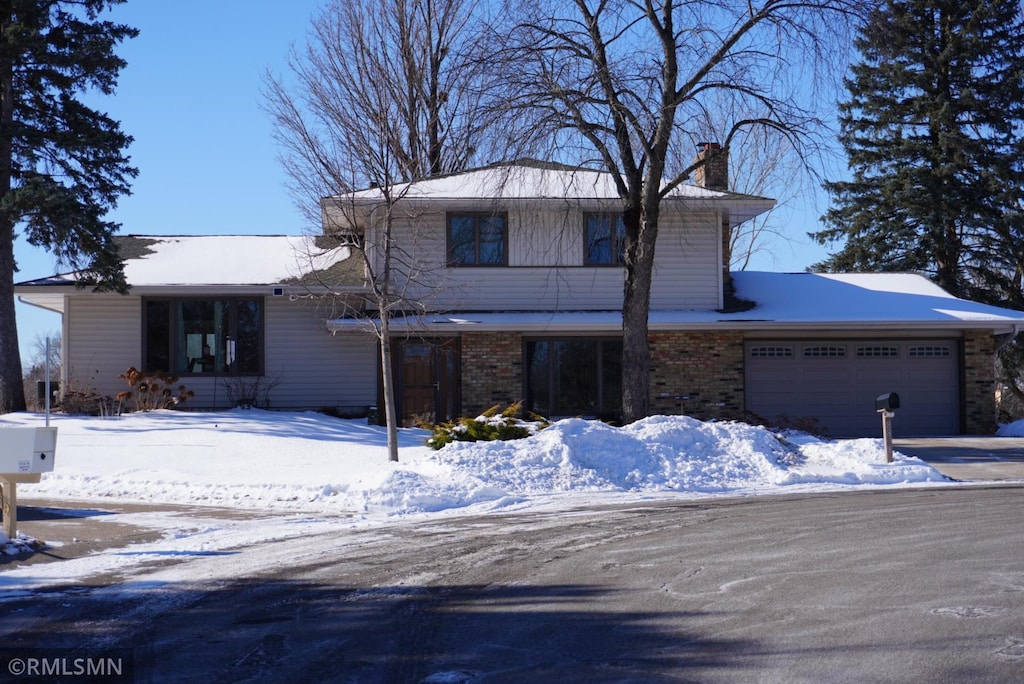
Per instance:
{"type": "Point", "coordinates": [27, 450]}
{"type": "Point", "coordinates": [25, 453]}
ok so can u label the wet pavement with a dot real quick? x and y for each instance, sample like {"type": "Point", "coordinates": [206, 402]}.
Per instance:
{"type": "Point", "coordinates": [968, 458]}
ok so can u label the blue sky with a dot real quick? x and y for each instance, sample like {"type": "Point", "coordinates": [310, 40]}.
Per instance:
{"type": "Point", "coordinates": [190, 96]}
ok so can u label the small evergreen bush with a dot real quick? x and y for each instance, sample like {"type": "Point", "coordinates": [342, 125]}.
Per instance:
{"type": "Point", "coordinates": [492, 424]}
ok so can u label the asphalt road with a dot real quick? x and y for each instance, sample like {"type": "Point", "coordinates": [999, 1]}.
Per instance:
{"type": "Point", "coordinates": [881, 586]}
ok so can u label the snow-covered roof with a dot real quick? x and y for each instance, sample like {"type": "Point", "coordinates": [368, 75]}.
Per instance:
{"type": "Point", "coordinates": [530, 180]}
{"type": "Point", "coordinates": [522, 180]}
{"type": "Point", "coordinates": [152, 262]}
{"type": "Point", "coordinates": [216, 260]}
{"type": "Point", "coordinates": [227, 259]}
{"type": "Point", "coordinates": [856, 298]}
{"type": "Point", "coordinates": [781, 300]}
{"type": "Point", "coordinates": [818, 301]}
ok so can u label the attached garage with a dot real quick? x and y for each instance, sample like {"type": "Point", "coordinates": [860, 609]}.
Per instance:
{"type": "Point", "coordinates": [833, 383]}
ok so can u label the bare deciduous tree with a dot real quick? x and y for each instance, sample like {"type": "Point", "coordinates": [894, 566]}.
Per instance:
{"type": "Point", "coordinates": [46, 356]}
{"type": "Point", "coordinates": [640, 82]}
{"type": "Point", "coordinates": [765, 165]}
{"type": "Point", "coordinates": [384, 93]}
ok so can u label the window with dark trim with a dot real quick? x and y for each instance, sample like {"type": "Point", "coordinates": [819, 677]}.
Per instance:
{"type": "Point", "coordinates": [476, 239]}
{"type": "Point", "coordinates": [605, 240]}
{"type": "Point", "coordinates": [771, 352]}
{"type": "Point", "coordinates": [203, 336]}
{"type": "Point", "coordinates": [825, 351]}
{"type": "Point", "coordinates": [573, 376]}
{"type": "Point", "coordinates": [878, 351]}
{"type": "Point", "coordinates": [929, 350]}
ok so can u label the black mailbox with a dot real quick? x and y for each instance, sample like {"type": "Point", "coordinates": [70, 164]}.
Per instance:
{"type": "Point", "coordinates": [887, 402]}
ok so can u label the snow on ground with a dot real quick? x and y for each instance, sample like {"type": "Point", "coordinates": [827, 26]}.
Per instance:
{"type": "Point", "coordinates": [314, 463]}
{"type": "Point", "coordinates": [299, 473]}
{"type": "Point", "coordinates": [1014, 429]}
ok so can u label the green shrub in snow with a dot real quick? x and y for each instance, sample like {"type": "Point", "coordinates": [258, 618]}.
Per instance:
{"type": "Point", "coordinates": [491, 425]}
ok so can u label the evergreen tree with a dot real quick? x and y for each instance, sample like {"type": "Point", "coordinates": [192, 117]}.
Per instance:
{"type": "Point", "coordinates": [932, 129]}
{"type": "Point", "coordinates": [62, 164]}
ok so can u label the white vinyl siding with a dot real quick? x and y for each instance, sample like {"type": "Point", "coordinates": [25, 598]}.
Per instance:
{"type": "Point", "coordinates": [103, 338]}
{"type": "Point", "coordinates": [314, 368]}
{"type": "Point", "coordinates": [687, 264]}
{"type": "Point", "coordinates": [545, 266]}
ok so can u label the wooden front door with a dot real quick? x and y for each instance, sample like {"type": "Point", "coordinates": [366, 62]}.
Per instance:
{"type": "Point", "coordinates": [426, 377]}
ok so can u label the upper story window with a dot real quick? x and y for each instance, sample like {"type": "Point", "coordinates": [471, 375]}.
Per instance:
{"type": "Point", "coordinates": [605, 240]}
{"type": "Point", "coordinates": [203, 336]}
{"type": "Point", "coordinates": [477, 239]}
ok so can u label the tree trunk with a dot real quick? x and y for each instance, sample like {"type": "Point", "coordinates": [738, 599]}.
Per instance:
{"type": "Point", "coordinates": [388, 386]}
{"type": "Point", "coordinates": [636, 355]}
{"type": "Point", "coordinates": [12, 391]}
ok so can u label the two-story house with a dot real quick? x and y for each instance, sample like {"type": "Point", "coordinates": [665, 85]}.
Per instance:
{"type": "Point", "coordinates": [507, 284]}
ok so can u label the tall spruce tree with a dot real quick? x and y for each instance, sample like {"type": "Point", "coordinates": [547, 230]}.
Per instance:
{"type": "Point", "coordinates": [62, 164]}
{"type": "Point", "coordinates": [933, 132]}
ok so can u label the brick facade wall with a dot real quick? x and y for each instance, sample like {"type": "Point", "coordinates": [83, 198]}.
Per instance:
{"type": "Point", "coordinates": [979, 383]}
{"type": "Point", "coordinates": [492, 370]}
{"type": "Point", "coordinates": [699, 374]}
{"type": "Point", "coordinates": [704, 367]}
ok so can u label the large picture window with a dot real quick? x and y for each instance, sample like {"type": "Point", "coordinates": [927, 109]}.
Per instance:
{"type": "Point", "coordinates": [477, 240]}
{"type": "Point", "coordinates": [605, 240]}
{"type": "Point", "coordinates": [574, 377]}
{"type": "Point", "coordinates": [203, 336]}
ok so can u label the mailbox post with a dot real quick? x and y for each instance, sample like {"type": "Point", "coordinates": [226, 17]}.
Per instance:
{"type": "Point", "coordinates": [886, 404]}
{"type": "Point", "coordinates": [26, 454]}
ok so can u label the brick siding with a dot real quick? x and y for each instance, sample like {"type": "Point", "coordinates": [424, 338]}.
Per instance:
{"type": "Point", "coordinates": [492, 370]}
{"type": "Point", "coordinates": [979, 383]}
{"type": "Point", "coordinates": [704, 367]}
{"type": "Point", "coordinates": [699, 374]}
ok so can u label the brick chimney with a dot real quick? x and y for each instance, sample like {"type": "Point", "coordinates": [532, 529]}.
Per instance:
{"type": "Point", "coordinates": [713, 174]}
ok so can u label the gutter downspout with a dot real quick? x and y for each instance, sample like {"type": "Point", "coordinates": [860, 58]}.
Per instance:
{"type": "Point", "coordinates": [1010, 337]}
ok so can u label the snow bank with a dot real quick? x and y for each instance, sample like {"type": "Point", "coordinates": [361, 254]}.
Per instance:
{"type": "Point", "coordinates": [1014, 429]}
{"type": "Point", "coordinates": [311, 462]}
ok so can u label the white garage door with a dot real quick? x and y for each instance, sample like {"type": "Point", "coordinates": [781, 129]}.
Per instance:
{"type": "Point", "coordinates": [834, 383]}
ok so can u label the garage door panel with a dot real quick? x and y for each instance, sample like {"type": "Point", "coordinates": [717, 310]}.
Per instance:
{"type": "Point", "coordinates": [825, 375]}
{"type": "Point", "coordinates": [925, 376]}
{"type": "Point", "coordinates": [879, 375]}
{"type": "Point", "coordinates": [827, 400]}
{"type": "Point", "coordinates": [835, 382]}
{"type": "Point", "coordinates": [772, 377]}
{"type": "Point", "coordinates": [924, 402]}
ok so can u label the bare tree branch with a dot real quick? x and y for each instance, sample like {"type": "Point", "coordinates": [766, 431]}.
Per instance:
{"type": "Point", "coordinates": [382, 94]}
{"type": "Point", "coordinates": [634, 80]}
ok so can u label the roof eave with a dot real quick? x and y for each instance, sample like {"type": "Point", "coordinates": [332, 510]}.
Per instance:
{"type": "Point", "coordinates": [466, 323]}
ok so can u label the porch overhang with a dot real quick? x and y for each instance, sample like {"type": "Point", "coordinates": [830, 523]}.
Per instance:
{"type": "Point", "coordinates": [610, 322]}
{"type": "Point", "coordinates": [779, 302]}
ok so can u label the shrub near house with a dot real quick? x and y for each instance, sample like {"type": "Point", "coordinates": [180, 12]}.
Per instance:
{"type": "Point", "coordinates": [150, 392]}
{"type": "Point", "coordinates": [489, 426]}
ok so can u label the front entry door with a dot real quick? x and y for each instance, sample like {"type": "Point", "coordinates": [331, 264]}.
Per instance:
{"type": "Point", "coordinates": [426, 377]}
